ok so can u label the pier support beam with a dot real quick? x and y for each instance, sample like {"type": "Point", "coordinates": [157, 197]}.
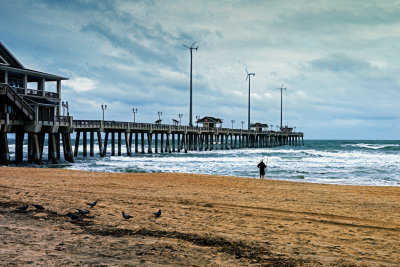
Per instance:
{"type": "Point", "coordinates": [84, 139]}
{"type": "Point", "coordinates": [127, 143]}
{"type": "Point", "coordinates": [19, 146]}
{"type": "Point", "coordinates": [78, 133]}
{"type": "Point", "coordinates": [136, 142]}
{"type": "Point", "coordinates": [119, 143]}
{"type": "Point", "coordinates": [105, 144]}
{"type": "Point", "coordinates": [149, 140]}
{"type": "Point", "coordinates": [112, 143]}
{"type": "Point", "coordinates": [91, 144]}
{"type": "Point", "coordinates": [4, 149]}
{"type": "Point", "coordinates": [142, 141]}
{"type": "Point", "coordinates": [100, 143]}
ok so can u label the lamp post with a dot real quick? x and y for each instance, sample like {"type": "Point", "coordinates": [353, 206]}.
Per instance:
{"type": "Point", "coordinates": [191, 60]}
{"type": "Point", "coordinates": [233, 121]}
{"type": "Point", "coordinates": [272, 127]}
{"type": "Point", "coordinates": [134, 110]}
{"type": "Point", "coordinates": [242, 125]}
{"type": "Point", "coordinates": [248, 112]}
{"type": "Point", "coordinates": [197, 118]}
{"type": "Point", "coordinates": [180, 117]}
{"type": "Point", "coordinates": [277, 128]}
{"type": "Point", "coordinates": [159, 115]}
{"type": "Point", "coordinates": [103, 107]}
{"type": "Point", "coordinates": [294, 129]}
{"type": "Point", "coordinates": [281, 101]}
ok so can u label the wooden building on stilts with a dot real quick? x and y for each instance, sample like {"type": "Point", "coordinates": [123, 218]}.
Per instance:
{"type": "Point", "coordinates": [30, 105]}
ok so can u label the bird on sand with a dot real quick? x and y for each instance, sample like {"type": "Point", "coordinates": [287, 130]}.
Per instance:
{"type": "Point", "coordinates": [126, 216]}
{"type": "Point", "coordinates": [92, 204]}
{"type": "Point", "coordinates": [157, 214]}
{"type": "Point", "coordinates": [38, 207]}
{"type": "Point", "coordinates": [83, 212]}
{"type": "Point", "coordinates": [24, 207]}
{"type": "Point", "coordinates": [73, 216]}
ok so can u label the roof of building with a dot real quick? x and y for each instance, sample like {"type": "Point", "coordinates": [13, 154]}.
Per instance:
{"type": "Point", "coordinates": [259, 125]}
{"type": "Point", "coordinates": [209, 119]}
{"type": "Point", "coordinates": [10, 63]}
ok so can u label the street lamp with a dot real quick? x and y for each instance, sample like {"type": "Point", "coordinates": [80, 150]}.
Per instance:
{"type": "Point", "coordinates": [233, 121]}
{"type": "Point", "coordinates": [134, 110]}
{"type": "Point", "coordinates": [272, 127]}
{"type": "Point", "coordinates": [277, 128]}
{"type": "Point", "coordinates": [242, 125]}
{"type": "Point", "coordinates": [180, 117]}
{"type": "Point", "coordinates": [294, 129]}
{"type": "Point", "coordinates": [159, 115]}
{"type": "Point", "coordinates": [103, 107]}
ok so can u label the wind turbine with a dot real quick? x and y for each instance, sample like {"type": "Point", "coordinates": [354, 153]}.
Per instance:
{"type": "Point", "coordinates": [248, 113]}
{"type": "Point", "coordinates": [281, 101]}
{"type": "Point", "coordinates": [191, 60]}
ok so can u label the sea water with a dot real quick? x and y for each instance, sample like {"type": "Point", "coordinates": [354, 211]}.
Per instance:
{"type": "Point", "coordinates": [318, 161]}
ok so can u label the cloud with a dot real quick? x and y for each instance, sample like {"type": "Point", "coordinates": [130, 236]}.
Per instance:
{"type": "Point", "coordinates": [81, 84]}
{"type": "Point", "coordinates": [339, 62]}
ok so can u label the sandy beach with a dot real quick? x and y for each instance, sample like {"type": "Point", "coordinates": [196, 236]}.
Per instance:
{"type": "Point", "coordinates": [206, 220]}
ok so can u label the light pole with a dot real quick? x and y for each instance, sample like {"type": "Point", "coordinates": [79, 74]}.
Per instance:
{"type": "Point", "coordinates": [191, 60]}
{"type": "Point", "coordinates": [294, 129]}
{"type": "Point", "coordinates": [281, 101]}
{"type": "Point", "coordinates": [272, 127]}
{"type": "Point", "coordinates": [233, 121]}
{"type": "Point", "coordinates": [248, 112]}
{"type": "Point", "coordinates": [277, 128]}
{"type": "Point", "coordinates": [242, 125]}
{"type": "Point", "coordinates": [159, 115]}
{"type": "Point", "coordinates": [197, 118]}
{"type": "Point", "coordinates": [103, 107]}
{"type": "Point", "coordinates": [134, 110]}
{"type": "Point", "coordinates": [180, 117]}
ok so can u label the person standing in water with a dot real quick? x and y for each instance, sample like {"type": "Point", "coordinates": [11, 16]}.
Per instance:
{"type": "Point", "coordinates": [262, 168]}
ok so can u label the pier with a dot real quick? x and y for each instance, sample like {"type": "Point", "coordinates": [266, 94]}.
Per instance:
{"type": "Point", "coordinates": [30, 111]}
{"type": "Point", "coordinates": [173, 138]}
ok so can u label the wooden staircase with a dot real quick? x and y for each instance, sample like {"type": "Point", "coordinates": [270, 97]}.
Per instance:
{"type": "Point", "coordinates": [10, 94]}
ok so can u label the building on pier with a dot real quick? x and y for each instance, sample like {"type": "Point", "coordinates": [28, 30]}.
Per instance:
{"type": "Point", "coordinates": [259, 127]}
{"type": "Point", "coordinates": [210, 122]}
{"type": "Point", "coordinates": [30, 104]}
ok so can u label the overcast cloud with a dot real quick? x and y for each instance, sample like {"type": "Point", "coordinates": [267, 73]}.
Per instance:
{"type": "Point", "coordinates": [339, 60]}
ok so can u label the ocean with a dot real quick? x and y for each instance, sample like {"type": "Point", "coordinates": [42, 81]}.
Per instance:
{"type": "Point", "coordinates": [318, 161]}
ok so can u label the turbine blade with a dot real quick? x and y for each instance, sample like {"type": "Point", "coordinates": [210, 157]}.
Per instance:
{"type": "Point", "coordinates": [193, 43]}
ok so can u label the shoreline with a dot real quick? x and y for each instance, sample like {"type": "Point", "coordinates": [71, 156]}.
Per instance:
{"type": "Point", "coordinates": [207, 220]}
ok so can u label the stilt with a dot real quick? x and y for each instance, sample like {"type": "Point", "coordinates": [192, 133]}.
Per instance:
{"type": "Point", "coordinates": [179, 142]}
{"type": "Point", "coordinates": [84, 139]}
{"type": "Point", "coordinates": [168, 145]}
{"type": "Point", "coordinates": [149, 140]}
{"type": "Point", "coordinates": [58, 144]}
{"type": "Point", "coordinates": [112, 143]}
{"type": "Point", "coordinates": [142, 141]}
{"type": "Point", "coordinates": [105, 144]}
{"type": "Point", "coordinates": [4, 149]}
{"type": "Point", "coordinates": [100, 143]}
{"type": "Point", "coordinates": [30, 148]}
{"type": "Point", "coordinates": [78, 133]}
{"type": "Point", "coordinates": [52, 148]}
{"type": "Point", "coordinates": [19, 146]}
{"type": "Point", "coordinates": [162, 143]}
{"type": "Point", "coordinates": [119, 143]}
{"type": "Point", "coordinates": [91, 144]}
{"type": "Point", "coordinates": [36, 148]}
{"type": "Point", "coordinates": [41, 146]}
{"type": "Point", "coordinates": [173, 142]}
{"type": "Point", "coordinates": [155, 142]}
{"type": "Point", "coordinates": [136, 142]}
{"type": "Point", "coordinates": [128, 144]}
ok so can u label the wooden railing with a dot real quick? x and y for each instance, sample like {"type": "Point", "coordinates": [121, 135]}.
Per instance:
{"type": "Point", "coordinates": [8, 91]}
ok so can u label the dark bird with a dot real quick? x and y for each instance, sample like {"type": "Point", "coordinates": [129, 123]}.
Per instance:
{"type": "Point", "coordinates": [126, 216]}
{"type": "Point", "coordinates": [73, 216]}
{"type": "Point", "coordinates": [24, 207]}
{"type": "Point", "coordinates": [38, 207]}
{"type": "Point", "coordinates": [92, 204]}
{"type": "Point", "coordinates": [157, 214]}
{"type": "Point", "coordinates": [83, 212]}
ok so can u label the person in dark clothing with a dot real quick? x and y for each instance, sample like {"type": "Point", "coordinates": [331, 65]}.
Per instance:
{"type": "Point", "coordinates": [262, 168]}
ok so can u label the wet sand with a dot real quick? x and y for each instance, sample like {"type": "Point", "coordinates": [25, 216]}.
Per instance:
{"type": "Point", "coordinates": [206, 220]}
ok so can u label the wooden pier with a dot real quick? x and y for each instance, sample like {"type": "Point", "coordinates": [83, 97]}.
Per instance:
{"type": "Point", "coordinates": [173, 138]}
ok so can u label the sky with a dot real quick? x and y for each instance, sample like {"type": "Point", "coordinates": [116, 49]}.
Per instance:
{"type": "Point", "coordinates": [339, 60]}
